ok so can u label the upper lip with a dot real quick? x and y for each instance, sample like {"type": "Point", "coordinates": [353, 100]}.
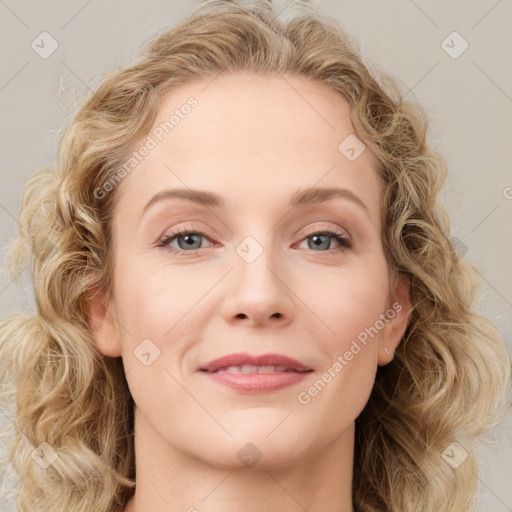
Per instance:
{"type": "Point", "coordinates": [241, 359]}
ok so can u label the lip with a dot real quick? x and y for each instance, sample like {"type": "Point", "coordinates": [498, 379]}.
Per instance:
{"type": "Point", "coordinates": [256, 382]}
{"type": "Point", "coordinates": [240, 359]}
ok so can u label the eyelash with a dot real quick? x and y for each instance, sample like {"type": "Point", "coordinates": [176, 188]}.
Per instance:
{"type": "Point", "coordinates": [343, 241]}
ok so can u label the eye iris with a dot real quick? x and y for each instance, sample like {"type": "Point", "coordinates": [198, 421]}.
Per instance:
{"type": "Point", "coordinates": [190, 237]}
{"type": "Point", "coordinates": [317, 237]}
{"type": "Point", "coordinates": [314, 241]}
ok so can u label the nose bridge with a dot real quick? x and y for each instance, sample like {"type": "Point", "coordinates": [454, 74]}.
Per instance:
{"type": "Point", "coordinates": [257, 262]}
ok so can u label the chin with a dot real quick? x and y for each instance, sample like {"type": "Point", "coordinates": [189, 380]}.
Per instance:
{"type": "Point", "coordinates": [255, 450]}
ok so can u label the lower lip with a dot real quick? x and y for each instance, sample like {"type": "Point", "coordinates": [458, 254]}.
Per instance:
{"type": "Point", "coordinates": [257, 382]}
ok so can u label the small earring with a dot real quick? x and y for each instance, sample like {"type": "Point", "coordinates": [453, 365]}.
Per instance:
{"type": "Point", "coordinates": [387, 351]}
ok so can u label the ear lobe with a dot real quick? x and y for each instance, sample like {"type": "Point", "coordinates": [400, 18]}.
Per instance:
{"type": "Point", "coordinates": [103, 326]}
{"type": "Point", "coordinates": [394, 329]}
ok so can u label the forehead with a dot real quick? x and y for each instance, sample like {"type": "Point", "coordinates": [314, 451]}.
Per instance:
{"type": "Point", "coordinates": [246, 135]}
{"type": "Point", "coordinates": [263, 112]}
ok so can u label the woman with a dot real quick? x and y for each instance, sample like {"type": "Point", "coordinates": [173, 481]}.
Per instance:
{"type": "Point", "coordinates": [247, 294]}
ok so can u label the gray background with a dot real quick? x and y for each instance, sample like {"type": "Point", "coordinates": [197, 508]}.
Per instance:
{"type": "Point", "coordinates": [468, 99]}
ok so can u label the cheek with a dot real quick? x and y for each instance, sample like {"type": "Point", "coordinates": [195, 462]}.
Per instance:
{"type": "Point", "coordinates": [155, 298]}
{"type": "Point", "coordinates": [161, 315]}
{"type": "Point", "coordinates": [348, 300]}
{"type": "Point", "coordinates": [351, 307]}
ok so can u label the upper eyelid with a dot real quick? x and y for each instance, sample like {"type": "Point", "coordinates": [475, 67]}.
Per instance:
{"type": "Point", "coordinates": [343, 233]}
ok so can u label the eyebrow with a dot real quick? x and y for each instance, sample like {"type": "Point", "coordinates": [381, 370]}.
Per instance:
{"type": "Point", "coordinates": [300, 197]}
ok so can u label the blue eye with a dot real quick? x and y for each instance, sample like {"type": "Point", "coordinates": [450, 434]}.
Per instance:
{"type": "Point", "coordinates": [191, 237]}
{"type": "Point", "coordinates": [192, 241]}
{"type": "Point", "coordinates": [321, 239]}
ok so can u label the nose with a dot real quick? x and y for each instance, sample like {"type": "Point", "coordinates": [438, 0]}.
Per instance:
{"type": "Point", "coordinates": [258, 294]}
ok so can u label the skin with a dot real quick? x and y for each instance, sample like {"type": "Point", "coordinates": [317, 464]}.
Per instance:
{"type": "Point", "coordinates": [254, 140]}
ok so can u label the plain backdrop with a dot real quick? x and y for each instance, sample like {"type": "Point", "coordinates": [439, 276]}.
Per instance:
{"type": "Point", "coordinates": [452, 56]}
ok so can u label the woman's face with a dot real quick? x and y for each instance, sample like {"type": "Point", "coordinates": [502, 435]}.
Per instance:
{"type": "Point", "coordinates": [253, 272]}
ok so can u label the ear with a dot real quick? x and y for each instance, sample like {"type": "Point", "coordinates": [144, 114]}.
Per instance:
{"type": "Point", "coordinates": [101, 317]}
{"type": "Point", "coordinates": [397, 315]}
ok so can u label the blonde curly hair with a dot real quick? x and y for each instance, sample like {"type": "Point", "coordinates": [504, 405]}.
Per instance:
{"type": "Point", "coordinates": [450, 377]}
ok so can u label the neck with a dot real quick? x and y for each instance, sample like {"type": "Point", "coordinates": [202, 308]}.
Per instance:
{"type": "Point", "coordinates": [169, 480]}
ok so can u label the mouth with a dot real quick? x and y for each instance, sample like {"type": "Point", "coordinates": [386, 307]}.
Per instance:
{"type": "Point", "coordinates": [255, 374]}
{"type": "Point", "coordinates": [250, 368]}
{"type": "Point", "coordinates": [247, 363]}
